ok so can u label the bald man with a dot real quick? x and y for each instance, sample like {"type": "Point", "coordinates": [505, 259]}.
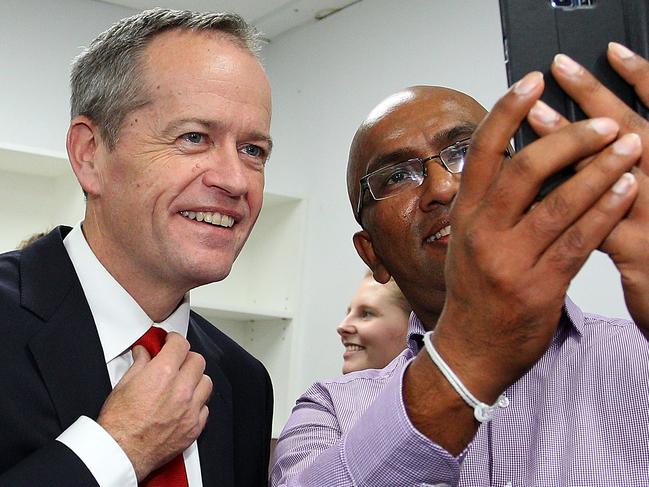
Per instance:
{"type": "Point", "coordinates": [516, 386]}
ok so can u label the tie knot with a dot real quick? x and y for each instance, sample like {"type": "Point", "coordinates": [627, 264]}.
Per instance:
{"type": "Point", "coordinates": [152, 340]}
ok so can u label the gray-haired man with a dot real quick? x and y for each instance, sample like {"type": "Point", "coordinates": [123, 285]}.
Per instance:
{"type": "Point", "coordinates": [168, 139]}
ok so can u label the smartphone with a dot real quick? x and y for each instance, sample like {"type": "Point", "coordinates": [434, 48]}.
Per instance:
{"type": "Point", "coordinates": [534, 31]}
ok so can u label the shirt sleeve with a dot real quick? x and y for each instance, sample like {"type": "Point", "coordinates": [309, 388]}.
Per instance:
{"type": "Point", "coordinates": [100, 453]}
{"type": "Point", "coordinates": [382, 449]}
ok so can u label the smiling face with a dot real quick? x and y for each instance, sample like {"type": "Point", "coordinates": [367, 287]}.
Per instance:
{"type": "Point", "coordinates": [374, 330]}
{"type": "Point", "coordinates": [407, 235]}
{"type": "Point", "coordinates": [172, 204]}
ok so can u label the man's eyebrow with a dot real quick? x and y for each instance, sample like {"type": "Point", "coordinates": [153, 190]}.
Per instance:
{"type": "Point", "coordinates": [399, 155]}
{"type": "Point", "coordinates": [441, 139]}
{"type": "Point", "coordinates": [260, 136]}
{"type": "Point", "coordinates": [174, 125]}
{"type": "Point", "coordinates": [453, 134]}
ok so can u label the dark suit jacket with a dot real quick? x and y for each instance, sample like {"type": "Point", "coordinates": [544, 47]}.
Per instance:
{"type": "Point", "coordinates": [53, 371]}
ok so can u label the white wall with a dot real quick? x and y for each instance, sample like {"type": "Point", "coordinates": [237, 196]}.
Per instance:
{"type": "Point", "coordinates": [326, 77]}
{"type": "Point", "coordinates": [22, 215]}
{"type": "Point", "coordinates": [38, 40]}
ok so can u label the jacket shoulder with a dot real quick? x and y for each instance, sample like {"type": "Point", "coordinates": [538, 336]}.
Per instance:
{"type": "Point", "coordinates": [9, 276]}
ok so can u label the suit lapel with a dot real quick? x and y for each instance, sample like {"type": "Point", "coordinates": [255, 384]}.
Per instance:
{"type": "Point", "coordinates": [216, 440]}
{"type": "Point", "coordinates": [68, 354]}
{"type": "Point", "coordinates": [67, 349]}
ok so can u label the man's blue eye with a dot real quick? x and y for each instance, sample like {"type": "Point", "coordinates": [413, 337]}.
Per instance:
{"type": "Point", "coordinates": [253, 150]}
{"type": "Point", "coordinates": [193, 137]}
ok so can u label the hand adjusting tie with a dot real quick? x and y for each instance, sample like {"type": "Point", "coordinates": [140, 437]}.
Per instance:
{"type": "Point", "coordinates": [483, 412]}
{"type": "Point", "coordinates": [172, 474]}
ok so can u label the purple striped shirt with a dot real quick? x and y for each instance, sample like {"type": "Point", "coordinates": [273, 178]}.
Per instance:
{"type": "Point", "coordinates": [579, 417]}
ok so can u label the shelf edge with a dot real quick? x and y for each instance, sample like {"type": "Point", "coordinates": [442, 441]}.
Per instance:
{"type": "Point", "coordinates": [242, 315]}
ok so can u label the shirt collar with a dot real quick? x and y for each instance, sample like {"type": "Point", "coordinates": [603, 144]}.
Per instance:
{"type": "Point", "coordinates": [572, 317]}
{"type": "Point", "coordinates": [415, 333]}
{"type": "Point", "coordinates": [119, 319]}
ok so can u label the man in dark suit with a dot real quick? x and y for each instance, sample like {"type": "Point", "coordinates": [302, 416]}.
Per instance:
{"type": "Point", "coordinates": [168, 140]}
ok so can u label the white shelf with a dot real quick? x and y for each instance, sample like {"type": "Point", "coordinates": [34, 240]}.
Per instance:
{"type": "Point", "coordinates": [33, 161]}
{"type": "Point", "coordinates": [244, 315]}
{"type": "Point", "coordinates": [254, 305]}
{"type": "Point", "coordinates": [262, 284]}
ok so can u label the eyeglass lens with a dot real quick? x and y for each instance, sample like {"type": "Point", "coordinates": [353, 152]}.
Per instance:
{"type": "Point", "coordinates": [395, 179]}
{"type": "Point", "coordinates": [453, 157]}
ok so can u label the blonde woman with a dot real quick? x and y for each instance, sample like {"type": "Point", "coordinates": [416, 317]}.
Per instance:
{"type": "Point", "coordinates": [374, 330]}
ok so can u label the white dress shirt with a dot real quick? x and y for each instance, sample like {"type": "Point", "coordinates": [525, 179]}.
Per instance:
{"type": "Point", "coordinates": [120, 322]}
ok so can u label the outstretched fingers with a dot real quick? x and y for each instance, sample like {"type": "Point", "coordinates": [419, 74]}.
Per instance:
{"type": "Point", "coordinates": [598, 183]}
{"type": "Point", "coordinates": [569, 252]}
{"type": "Point", "coordinates": [633, 68]}
{"type": "Point", "coordinates": [596, 100]}
{"type": "Point", "coordinates": [492, 137]}
{"type": "Point", "coordinates": [521, 177]}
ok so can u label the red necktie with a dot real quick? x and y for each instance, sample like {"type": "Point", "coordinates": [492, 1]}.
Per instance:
{"type": "Point", "coordinates": [172, 474]}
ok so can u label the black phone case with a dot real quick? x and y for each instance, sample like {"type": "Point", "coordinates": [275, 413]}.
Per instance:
{"type": "Point", "coordinates": [534, 31]}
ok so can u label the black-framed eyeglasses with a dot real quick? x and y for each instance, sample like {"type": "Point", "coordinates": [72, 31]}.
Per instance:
{"type": "Point", "coordinates": [394, 179]}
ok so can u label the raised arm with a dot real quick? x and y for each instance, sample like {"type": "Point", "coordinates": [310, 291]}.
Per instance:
{"type": "Point", "coordinates": [508, 266]}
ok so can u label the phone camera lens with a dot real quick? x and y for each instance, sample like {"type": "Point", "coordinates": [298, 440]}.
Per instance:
{"type": "Point", "coordinates": [561, 3]}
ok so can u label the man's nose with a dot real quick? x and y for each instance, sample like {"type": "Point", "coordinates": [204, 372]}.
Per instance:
{"type": "Point", "coordinates": [226, 171]}
{"type": "Point", "coordinates": [439, 187]}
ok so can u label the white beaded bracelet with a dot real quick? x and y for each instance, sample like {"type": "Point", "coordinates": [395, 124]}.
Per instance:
{"type": "Point", "coordinates": [483, 412]}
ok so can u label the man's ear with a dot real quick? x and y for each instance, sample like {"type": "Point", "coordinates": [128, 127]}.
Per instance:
{"type": "Point", "coordinates": [82, 143]}
{"type": "Point", "coordinates": [365, 248]}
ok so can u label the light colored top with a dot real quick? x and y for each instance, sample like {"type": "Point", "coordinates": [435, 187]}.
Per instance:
{"type": "Point", "coordinates": [120, 322]}
{"type": "Point", "coordinates": [579, 417]}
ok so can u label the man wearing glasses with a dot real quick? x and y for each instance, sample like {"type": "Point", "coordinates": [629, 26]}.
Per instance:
{"type": "Point", "coordinates": [516, 386]}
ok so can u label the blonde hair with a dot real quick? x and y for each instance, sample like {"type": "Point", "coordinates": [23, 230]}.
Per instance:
{"type": "Point", "coordinates": [395, 293]}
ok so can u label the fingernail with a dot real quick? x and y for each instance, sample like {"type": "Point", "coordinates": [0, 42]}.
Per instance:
{"type": "Point", "coordinates": [627, 145]}
{"type": "Point", "coordinates": [526, 84]}
{"type": "Point", "coordinates": [620, 51]}
{"type": "Point", "coordinates": [603, 126]}
{"type": "Point", "coordinates": [567, 65]}
{"type": "Point", "coordinates": [544, 114]}
{"type": "Point", "coordinates": [624, 184]}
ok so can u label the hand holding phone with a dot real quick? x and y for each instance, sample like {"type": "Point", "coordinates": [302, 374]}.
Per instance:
{"type": "Point", "coordinates": [535, 31]}
{"type": "Point", "coordinates": [628, 243]}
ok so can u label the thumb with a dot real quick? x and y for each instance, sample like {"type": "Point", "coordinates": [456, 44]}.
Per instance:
{"type": "Point", "coordinates": [140, 354]}
{"type": "Point", "coordinates": [140, 359]}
